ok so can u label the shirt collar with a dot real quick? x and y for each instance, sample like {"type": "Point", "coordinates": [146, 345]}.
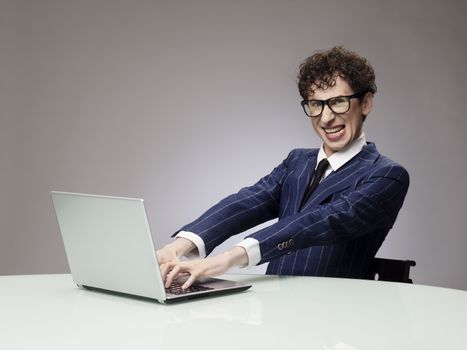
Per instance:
{"type": "Point", "coordinates": [339, 158]}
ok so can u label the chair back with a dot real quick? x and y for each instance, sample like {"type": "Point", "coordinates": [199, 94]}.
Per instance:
{"type": "Point", "coordinates": [390, 270]}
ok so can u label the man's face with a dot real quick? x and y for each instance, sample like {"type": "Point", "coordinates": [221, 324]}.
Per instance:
{"type": "Point", "coordinates": [339, 130]}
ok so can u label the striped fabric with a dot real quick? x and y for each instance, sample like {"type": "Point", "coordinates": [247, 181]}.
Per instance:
{"type": "Point", "coordinates": [337, 232]}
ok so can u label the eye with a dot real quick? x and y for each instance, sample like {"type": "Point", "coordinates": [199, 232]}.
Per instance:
{"type": "Point", "coordinates": [338, 101]}
{"type": "Point", "coordinates": [314, 104]}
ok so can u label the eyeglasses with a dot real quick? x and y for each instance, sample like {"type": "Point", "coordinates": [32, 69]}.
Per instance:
{"type": "Point", "coordinates": [338, 104]}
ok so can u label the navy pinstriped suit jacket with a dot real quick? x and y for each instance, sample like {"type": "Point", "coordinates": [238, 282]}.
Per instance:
{"type": "Point", "coordinates": [339, 229]}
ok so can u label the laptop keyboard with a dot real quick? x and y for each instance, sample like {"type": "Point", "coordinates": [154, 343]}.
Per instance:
{"type": "Point", "coordinates": [176, 289]}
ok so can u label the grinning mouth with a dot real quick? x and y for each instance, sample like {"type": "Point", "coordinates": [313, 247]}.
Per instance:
{"type": "Point", "coordinates": [333, 130]}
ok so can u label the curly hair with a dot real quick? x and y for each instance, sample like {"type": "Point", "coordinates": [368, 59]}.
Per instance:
{"type": "Point", "coordinates": [320, 71]}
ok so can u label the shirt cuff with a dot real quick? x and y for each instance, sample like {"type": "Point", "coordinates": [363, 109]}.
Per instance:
{"type": "Point", "coordinates": [253, 252]}
{"type": "Point", "coordinates": [197, 241]}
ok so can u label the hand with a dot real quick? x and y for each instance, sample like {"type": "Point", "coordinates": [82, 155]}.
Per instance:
{"type": "Point", "coordinates": [211, 266]}
{"type": "Point", "coordinates": [170, 254]}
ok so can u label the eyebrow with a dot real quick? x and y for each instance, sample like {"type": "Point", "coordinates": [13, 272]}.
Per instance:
{"type": "Point", "coordinates": [317, 99]}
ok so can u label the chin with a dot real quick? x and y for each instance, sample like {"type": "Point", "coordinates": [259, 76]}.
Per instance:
{"type": "Point", "coordinates": [336, 147]}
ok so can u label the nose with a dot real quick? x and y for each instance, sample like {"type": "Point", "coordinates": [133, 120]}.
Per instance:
{"type": "Point", "coordinates": [327, 115]}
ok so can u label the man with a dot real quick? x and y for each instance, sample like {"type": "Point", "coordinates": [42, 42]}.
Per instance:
{"type": "Point", "coordinates": [335, 205]}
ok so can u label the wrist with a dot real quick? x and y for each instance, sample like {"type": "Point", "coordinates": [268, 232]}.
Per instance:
{"type": "Point", "coordinates": [182, 246]}
{"type": "Point", "coordinates": [236, 256]}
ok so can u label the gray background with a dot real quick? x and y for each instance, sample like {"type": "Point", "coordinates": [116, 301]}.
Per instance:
{"type": "Point", "coordinates": [184, 102]}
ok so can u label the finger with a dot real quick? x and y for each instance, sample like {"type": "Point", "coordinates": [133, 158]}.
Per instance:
{"type": "Point", "coordinates": [172, 274]}
{"type": "Point", "coordinates": [189, 282]}
{"type": "Point", "coordinates": [165, 268]}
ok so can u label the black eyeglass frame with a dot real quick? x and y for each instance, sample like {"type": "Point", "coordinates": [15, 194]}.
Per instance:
{"type": "Point", "coordinates": [323, 102]}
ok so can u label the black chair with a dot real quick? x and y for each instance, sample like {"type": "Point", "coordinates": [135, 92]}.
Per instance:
{"type": "Point", "coordinates": [390, 270]}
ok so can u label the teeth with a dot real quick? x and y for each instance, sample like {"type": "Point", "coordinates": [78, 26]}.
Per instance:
{"type": "Point", "coordinates": [334, 130]}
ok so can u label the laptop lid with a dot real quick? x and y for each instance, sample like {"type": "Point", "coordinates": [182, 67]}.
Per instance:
{"type": "Point", "coordinates": [108, 243]}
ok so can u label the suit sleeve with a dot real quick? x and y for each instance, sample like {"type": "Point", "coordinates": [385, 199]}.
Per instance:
{"type": "Point", "coordinates": [238, 212]}
{"type": "Point", "coordinates": [374, 203]}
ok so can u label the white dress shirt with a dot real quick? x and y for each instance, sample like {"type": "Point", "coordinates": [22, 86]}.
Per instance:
{"type": "Point", "coordinates": [251, 245]}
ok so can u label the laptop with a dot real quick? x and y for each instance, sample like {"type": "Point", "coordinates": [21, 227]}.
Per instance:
{"type": "Point", "coordinates": [109, 247]}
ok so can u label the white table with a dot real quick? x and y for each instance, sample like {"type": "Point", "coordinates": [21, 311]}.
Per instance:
{"type": "Point", "coordinates": [50, 312]}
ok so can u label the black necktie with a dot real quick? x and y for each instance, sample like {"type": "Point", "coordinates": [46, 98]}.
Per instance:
{"type": "Point", "coordinates": [320, 170]}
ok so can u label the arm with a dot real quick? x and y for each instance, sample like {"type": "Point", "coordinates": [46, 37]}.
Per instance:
{"type": "Point", "coordinates": [236, 213]}
{"type": "Point", "coordinates": [240, 211]}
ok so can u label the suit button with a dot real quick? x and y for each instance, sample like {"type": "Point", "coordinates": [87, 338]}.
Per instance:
{"type": "Point", "coordinates": [290, 242]}
{"type": "Point", "coordinates": [280, 246]}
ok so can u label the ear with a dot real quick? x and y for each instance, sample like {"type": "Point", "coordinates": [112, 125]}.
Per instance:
{"type": "Point", "coordinates": [367, 103]}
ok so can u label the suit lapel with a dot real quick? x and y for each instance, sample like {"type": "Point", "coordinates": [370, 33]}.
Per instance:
{"type": "Point", "coordinates": [342, 178]}
{"type": "Point", "coordinates": [305, 172]}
